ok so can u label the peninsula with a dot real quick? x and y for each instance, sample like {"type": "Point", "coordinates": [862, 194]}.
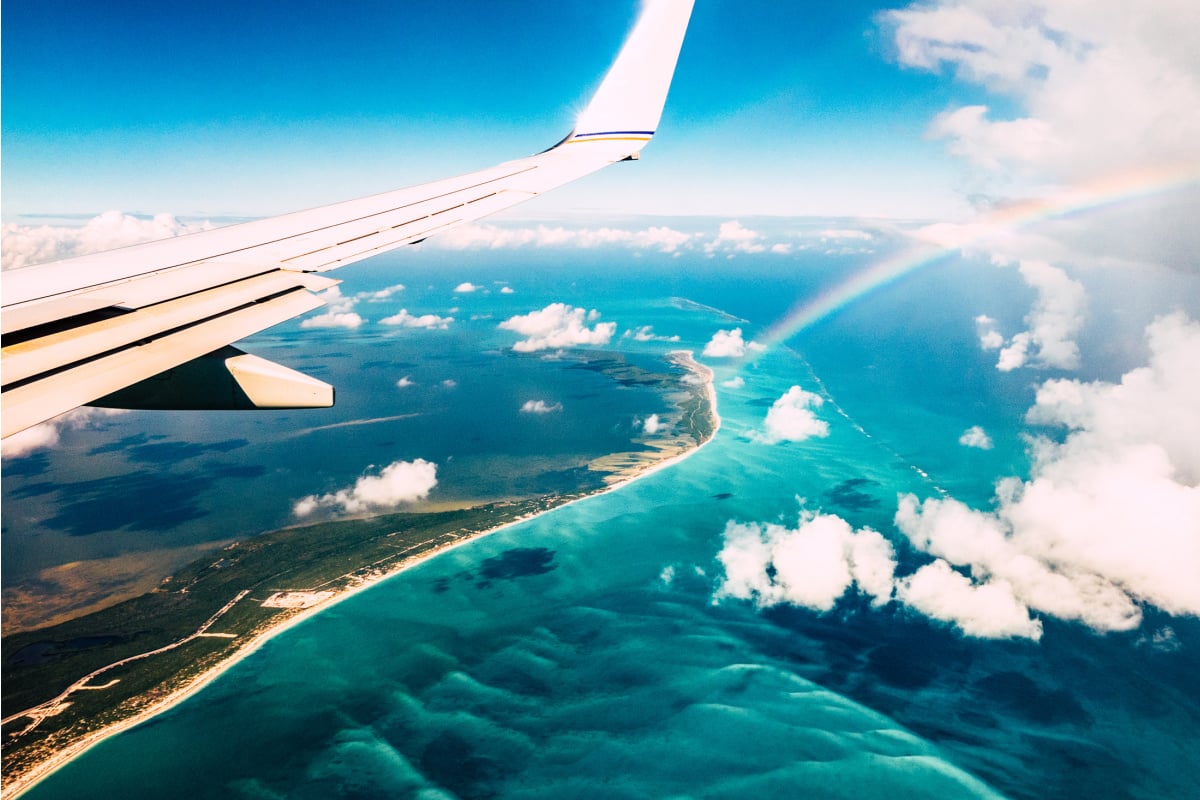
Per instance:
{"type": "Point", "coordinates": [69, 686]}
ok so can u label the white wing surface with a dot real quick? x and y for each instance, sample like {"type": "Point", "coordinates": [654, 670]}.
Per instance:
{"type": "Point", "coordinates": [149, 326]}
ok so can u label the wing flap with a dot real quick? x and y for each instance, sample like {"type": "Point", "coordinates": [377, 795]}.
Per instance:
{"type": "Point", "coordinates": [44, 354]}
{"type": "Point", "coordinates": [53, 394]}
{"type": "Point", "coordinates": [130, 293]}
{"type": "Point", "coordinates": [224, 380]}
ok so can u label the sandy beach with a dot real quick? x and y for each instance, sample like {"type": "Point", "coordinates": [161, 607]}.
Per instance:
{"type": "Point", "coordinates": [632, 471]}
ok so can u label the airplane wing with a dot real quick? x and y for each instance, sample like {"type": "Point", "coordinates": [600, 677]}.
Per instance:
{"type": "Point", "coordinates": [150, 326]}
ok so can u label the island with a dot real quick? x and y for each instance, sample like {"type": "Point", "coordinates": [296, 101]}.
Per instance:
{"type": "Point", "coordinates": [70, 685]}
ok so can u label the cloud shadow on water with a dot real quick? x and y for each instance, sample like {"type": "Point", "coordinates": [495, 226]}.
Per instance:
{"type": "Point", "coordinates": [520, 562]}
{"type": "Point", "coordinates": [28, 465]}
{"type": "Point", "coordinates": [146, 501]}
{"type": "Point", "coordinates": [849, 496]}
{"type": "Point", "coordinates": [172, 452]}
{"type": "Point", "coordinates": [1020, 694]}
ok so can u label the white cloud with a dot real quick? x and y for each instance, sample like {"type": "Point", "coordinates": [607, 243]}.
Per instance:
{"type": "Point", "coordinates": [341, 312]}
{"type": "Point", "coordinates": [730, 238]}
{"type": "Point", "coordinates": [812, 566]}
{"type": "Point", "coordinates": [558, 325]}
{"type": "Point", "coordinates": [660, 238]}
{"type": "Point", "coordinates": [405, 382]}
{"type": "Point", "coordinates": [449, 383]}
{"type": "Point", "coordinates": [1056, 316]}
{"type": "Point", "coordinates": [992, 144]}
{"type": "Point", "coordinates": [736, 382]}
{"type": "Point", "coordinates": [507, 290]}
{"type": "Point", "coordinates": [651, 425]}
{"type": "Point", "coordinates": [735, 237]}
{"type": "Point", "coordinates": [791, 419]}
{"type": "Point", "coordinates": [25, 245]}
{"type": "Point", "coordinates": [989, 337]}
{"type": "Point", "coordinates": [976, 437]}
{"type": "Point", "coordinates": [333, 319]}
{"type": "Point", "coordinates": [1152, 404]}
{"type": "Point", "coordinates": [49, 434]}
{"type": "Point", "coordinates": [398, 483]}
{"type": "Point", "coordinates": [465, 288]}
{"type": "Point", "coordinates": [1097, 88]}
{"type": "Point", "coordinates": [1110, 517]}
{"type": "Point", "coordinates": [726, 344]}
{"type": "Point", "coordinates": [845, 233]}
{"type": "Point", "coordinates": [540, 407]}
{"type": "Point", "coordinates": [407, 320]}
{"type": "Point", "coordinates": [1054, 321]}
{"type": "Point", "coordinates": [381, 295]}
{"type": "Point", "coordinates": [646, 334]}
{"type": "Point", "coordinates": [988, 611]}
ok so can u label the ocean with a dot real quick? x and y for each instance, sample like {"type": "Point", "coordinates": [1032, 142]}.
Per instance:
{"type": "Point", "coordinates": [592, 651]}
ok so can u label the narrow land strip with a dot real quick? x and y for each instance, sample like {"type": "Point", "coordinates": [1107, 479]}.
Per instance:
{"type": "Point", "coordinates": [147, 682]}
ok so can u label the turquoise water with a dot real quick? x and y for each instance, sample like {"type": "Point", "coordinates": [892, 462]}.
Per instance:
{"type": "Point", "coordinates": [583, 653]}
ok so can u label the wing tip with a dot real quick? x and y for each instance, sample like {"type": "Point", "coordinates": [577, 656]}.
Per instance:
{"type": "Point", "coordinates": [628, 105]}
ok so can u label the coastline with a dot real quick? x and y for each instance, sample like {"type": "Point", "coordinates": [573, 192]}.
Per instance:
{"type": "Point", "coordinates": [29, 778]}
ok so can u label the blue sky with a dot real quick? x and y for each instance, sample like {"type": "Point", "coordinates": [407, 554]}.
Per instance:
{"type": "Point", "coordinates": [255, 109]}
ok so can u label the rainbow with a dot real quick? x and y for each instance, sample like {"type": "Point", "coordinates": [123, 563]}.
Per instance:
{"type": "Point", "coordinates": [1103, 193]}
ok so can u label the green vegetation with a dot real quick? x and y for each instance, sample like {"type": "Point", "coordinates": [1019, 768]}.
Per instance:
{"type": "Point", "coordinates": [39, 665]}
{"type": "Point", "coordinates": [206, 612]}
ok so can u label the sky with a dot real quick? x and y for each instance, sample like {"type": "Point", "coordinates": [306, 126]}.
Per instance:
{"type": "Point", "coordinates": [229, 109]}
{"type": "Point", "coordinates": [932, 110]}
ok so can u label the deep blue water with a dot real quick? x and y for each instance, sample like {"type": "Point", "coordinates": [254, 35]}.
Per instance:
{"type": "Point", "coordinates": [582, 654]}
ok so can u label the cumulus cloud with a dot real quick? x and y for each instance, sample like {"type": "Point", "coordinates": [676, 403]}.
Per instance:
{"type": "Point", "coordinates": [340, 312]}
{"type": "Point", "coordinates": [507, 290]}
{"type": "Point", "coordinates": [540, 407]}
{"type": "Point", "coordinates": [729, 344]}
{"type": "Point", "coordinates": [845, 233]}
{"type": "Point", "coordinates": [382, 295]}
{"type": "Point", "coordinates": [812, 565]}
{"type": "Point", "coordinates": [407, 320]}
{"type": "Point", "coordinates": [651, 425]}
{"type": "Point", "coordinates": [791, 418]}
{"type": "Point", "coordinates": [730, 238]}
{"type": "Point", "coordinates": [976, 437]}
{"type": "Point", "coordinates": [333, 319]}
{"type": "Point", "coordinates": [736, 382]}
{"type": "Point", "coordinates": [659, 238]}
{"type": "Point", "coordinates": [734, 237]}
{"type": "Point", "coordinates": [25, 245]}
{"type": "Point", "coordinates": [1095, 88]}
{"type": "Point", "coordinates": [558, 325]}
{"type": "Point", "coordinates": [465, 288]}
{"type": "Point", "coordinates": [987, 611]}
{"type": "Point", "coordinates": [989, 337]}
{"type": "Point", "coordinates": [646, 334]}
{"type": "Point", "coordinates": [48, 434]}
{"type": "Point", "coordinates": [398, 483]}
{"type": "Point", "coordinates": [1056, 318]}
{"type": "Point", "coordinates": [405, 382]}
{"type": "Point", "coordinates": [1109, 519]}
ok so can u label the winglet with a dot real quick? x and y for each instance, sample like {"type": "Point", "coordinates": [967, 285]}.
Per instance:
{"type": "Point", "coordinates": [627, 106]}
